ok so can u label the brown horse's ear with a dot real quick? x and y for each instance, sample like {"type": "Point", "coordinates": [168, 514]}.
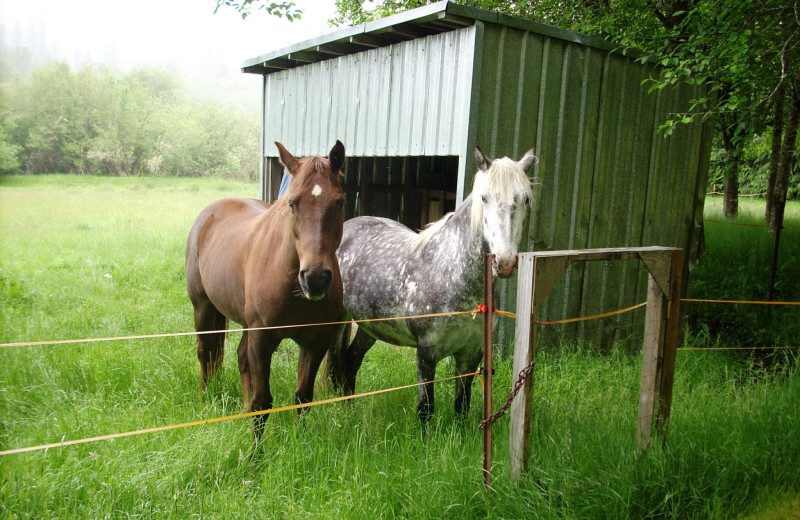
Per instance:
{"type": "Point", "coordinates": [287, 159]}
{"type": "Point", "coordinates": [336, 156]}
{"type": "Point", "coordinates": [481, 160]}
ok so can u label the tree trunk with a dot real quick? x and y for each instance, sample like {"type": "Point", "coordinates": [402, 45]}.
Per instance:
{"type": "Point", "coordinates": [730, 198]}
{"type": "Point", "coordinates": [789, 143]}
{"type": "Point", "coordinates": [775, 153]}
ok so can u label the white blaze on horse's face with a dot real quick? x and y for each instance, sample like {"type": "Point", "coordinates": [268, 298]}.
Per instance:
{"type": "Point", "coordinates": [316, 220]}
{"type": "Point", "coordinates": [501, 199]}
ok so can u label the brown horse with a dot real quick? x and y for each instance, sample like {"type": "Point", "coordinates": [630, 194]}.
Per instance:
{"type": "Point", "coordinates": [264, 265]}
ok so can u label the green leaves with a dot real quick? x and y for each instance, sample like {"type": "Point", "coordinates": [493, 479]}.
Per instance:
{"type": "Point", "coordinates": [288, 10]}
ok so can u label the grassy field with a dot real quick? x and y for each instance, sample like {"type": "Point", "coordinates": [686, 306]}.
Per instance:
{"type": "Point", "coordinates": [88, 257]}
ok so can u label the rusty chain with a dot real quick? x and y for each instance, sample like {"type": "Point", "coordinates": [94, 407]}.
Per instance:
{"type": "Point", "coordinates": [523, 376]}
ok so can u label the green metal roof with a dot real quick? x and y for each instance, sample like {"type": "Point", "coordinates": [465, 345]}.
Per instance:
{"type": "Point", "coordinates": [424, 21]}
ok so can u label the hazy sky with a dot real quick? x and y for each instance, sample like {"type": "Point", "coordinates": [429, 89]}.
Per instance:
{"type": "Point", "coordinates": [182, 35]}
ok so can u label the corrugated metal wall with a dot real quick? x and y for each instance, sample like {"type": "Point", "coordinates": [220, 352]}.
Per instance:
{"type": "Point", "coordinates": [606, 177]}
{"type": "Point", "coordinates": [408, 99]}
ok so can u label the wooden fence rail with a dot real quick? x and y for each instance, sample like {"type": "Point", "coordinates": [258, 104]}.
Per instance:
{"type": "Point", "coordinates": [539, 272]}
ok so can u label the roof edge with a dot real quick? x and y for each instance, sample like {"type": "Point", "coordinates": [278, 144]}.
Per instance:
{"type": "Point", "coordinates": [429, 19]}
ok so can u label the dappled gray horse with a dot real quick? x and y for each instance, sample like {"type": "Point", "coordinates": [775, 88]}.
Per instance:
{"type": "Point", "coordinates": [389, 270]}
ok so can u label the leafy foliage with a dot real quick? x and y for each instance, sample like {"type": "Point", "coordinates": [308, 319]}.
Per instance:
{"type": "Point", "coordinates": [753, 168]}
{"type": "Point", "coordinates": [732, 47]}
{"type": "Point", "coordinates": [9, 154]}
{"type": "Point", "coordinates": [279, 9]}
{"type": "Point", "coordinates": [92, 121]}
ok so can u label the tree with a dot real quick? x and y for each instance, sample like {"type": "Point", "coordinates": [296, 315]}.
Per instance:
{"type": "Point", "coordinates": [745, 51]}
{"type": "Point", "coordinates": [92, 121]}
{"type": "Point", "coordinates": [246, 8]}
{"type": "Point", "coordinates": [9, 154]}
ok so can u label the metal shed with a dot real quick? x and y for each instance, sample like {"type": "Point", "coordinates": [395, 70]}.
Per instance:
{"type": "Point", "coordinates": [411, 96]}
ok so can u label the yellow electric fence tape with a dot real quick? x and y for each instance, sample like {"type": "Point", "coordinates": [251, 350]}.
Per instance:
{"type": "Point", "coordinates": [225, 418]}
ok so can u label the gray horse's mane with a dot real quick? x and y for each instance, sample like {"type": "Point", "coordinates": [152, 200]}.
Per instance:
{"type": "Point", "coordinates": [504, 179]}
{"type": "Point", "coordinates": [419, 240]}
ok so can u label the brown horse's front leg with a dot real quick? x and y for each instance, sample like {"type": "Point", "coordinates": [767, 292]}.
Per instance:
{"type": "Point", "coordinates": [307, 367]}
{"type": "Point", "coordinates": [244, 372]}
{"type": "Point", "coordinates": [260, 348]}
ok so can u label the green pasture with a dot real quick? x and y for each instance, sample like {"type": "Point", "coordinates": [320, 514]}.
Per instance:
{"type": "Point", "coordinates": [87, 257]}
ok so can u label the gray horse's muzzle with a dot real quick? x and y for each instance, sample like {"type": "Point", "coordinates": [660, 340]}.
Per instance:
{"type": "Point", "coordinates": [504, 267]}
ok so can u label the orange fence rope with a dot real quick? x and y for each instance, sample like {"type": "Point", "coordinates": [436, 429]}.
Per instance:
{"type": "Point", "coordinates": [480, 309]}
{"type": "Point", "coordinates": [592, 317]}
{"type": "Point", "coordinates": [744, 224]}
{"type": "Point", "coordinates": [226, 418]}
{"type": "Point", "coordinates": [745, 302]}
{"type": "Point", "coordinates": [697, 349]}
{"type": "Point", "coordinates": [176, 334]}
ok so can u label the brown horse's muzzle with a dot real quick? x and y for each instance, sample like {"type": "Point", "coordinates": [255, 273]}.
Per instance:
{"type": "Point", "coordinates": [316, 283]}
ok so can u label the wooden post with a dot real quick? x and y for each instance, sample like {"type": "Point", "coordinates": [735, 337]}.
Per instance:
{"type": "Point", "coordinates": [536, 278]}
{"type": "Point", "coordinates": [662, 323]}
{"type": "Point", "coordinates": [652, 353]}
{"type": "Point", "coordinates": [670, 343]}
{"type": "Point", "coordinates": [488, 300]}
{"type": "Point", "coordinates": [524, 353]}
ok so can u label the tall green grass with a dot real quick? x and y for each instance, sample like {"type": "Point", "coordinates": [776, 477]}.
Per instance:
{"type": "Point", "coordinates": [91, 257]}
{"type": "Point", "coordinates": [738, 266]}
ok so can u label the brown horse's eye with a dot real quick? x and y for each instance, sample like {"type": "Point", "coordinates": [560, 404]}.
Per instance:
{"type": "Point", "coordinates": [292, 206]}
{"type": "Point", "coordinates": [340, 204]}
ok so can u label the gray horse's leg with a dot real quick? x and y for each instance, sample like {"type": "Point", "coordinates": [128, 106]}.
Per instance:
{"type": "Point", "coordinates": [334, 369]}
{"type": "Point", "coordinates": [466, 362]}
{"type": "Point", "coordinates": [354, 357]}
{"type": "Point", "coordinates": [426, 373]}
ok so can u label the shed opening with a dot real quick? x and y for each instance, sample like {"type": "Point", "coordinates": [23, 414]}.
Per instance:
{"type": "Point", "coordinates": [413, 190]}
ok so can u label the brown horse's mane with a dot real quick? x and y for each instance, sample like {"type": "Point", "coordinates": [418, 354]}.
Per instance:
{"type": "Point", "coordinates": [319, 164]}
{"type": "Point", "coordinates": [308, 166]}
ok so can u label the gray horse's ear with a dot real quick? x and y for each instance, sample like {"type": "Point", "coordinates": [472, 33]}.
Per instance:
{"type": "Point", "coordinates": [481, 160]}
{"type": "Point", "coordinates": [336, 156]}
{"type": "Point", "coordinates": [286, 158]}
{"type": "Point", "coordinates": [528, 160]}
